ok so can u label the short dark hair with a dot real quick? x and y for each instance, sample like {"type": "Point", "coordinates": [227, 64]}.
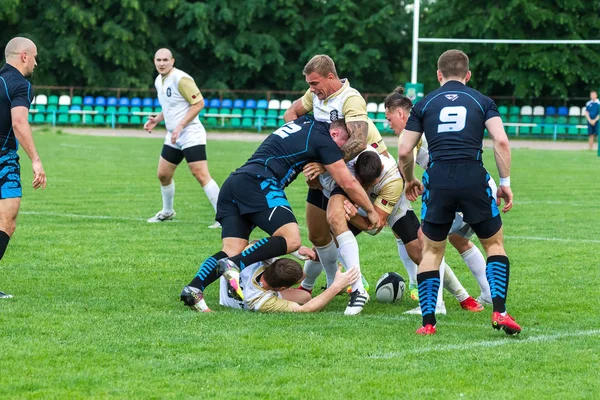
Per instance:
{"type": "Point", "coordinates": [368, 167]}
{"type": "Point", "coordinates": [398, 99]}
{"type": "Point", "coordinates": [283, 273]}
{"type": "Point", "coordinates": [453, 64]}
{"type": "Point", "coordinates": [341, 122]}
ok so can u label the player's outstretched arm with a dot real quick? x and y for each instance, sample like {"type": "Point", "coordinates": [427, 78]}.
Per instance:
{"type": "Point", "coordinates": [20, 125]}
{"type": "Point", "coordinates": [502, 155]}
{"type": "Point", "coordinates": [153, 121]}
{"type": "Point", "coordinates": [340, 173]}
{"type": "Point", "coordinates": [341, 281]}
{"type": "Point", "coordinates": [357, 139]}
{"type": "Point", "coordinates": [413, 187]}
{"type": "Point", "coordinates": [295, 111]}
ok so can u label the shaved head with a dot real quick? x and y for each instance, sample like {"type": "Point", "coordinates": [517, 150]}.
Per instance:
{"type": "Point", "coordinates": [164, 61]}
{"type": "Point", "coordinates": [163, 53]}
{"type": "Point", "coordinates": [15, 46]}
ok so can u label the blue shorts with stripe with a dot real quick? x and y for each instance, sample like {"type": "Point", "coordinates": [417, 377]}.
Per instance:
{"type": "Point", "coordinates": [451, 187]}
{"type": "Point", "coordinates": [10, 175]}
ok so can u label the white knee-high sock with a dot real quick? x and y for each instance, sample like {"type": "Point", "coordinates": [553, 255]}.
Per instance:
{"type": "Point", "coordinates": [168, 194]}
{"type": "Point", "coordinates": [476, 263]}
{"type": "Point", "coordinates": [328, 257]}
{"type": "Point", "coordinates": [211, 189]}
{"type": "Point", "coordinates": [348, 255]}
{"type": "Point", "coordinates": [440, 299]}
{"type": "Point", "coordinates": [453, 285]}
{"type": "Point", "coordinates": [312, 269]}
{"type": "Point", "coordinates": [409, 265]}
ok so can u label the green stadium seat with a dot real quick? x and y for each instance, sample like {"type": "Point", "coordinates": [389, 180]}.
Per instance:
{"type": "Point", "coordinates": [157, 109]}
{"type": "Point", "coordinates": [39, 118]}
{"type": "Point", "coordinates": [237, 111]}
{"type": "Point", "coordinates": [380, 126]}
{"type": "Point", "coordinates": [248, 113]}
{"type": "Point", "coordinates": [53, 100]}
{"type": "Point", "coordinates": [100, 109]}
{"type": "Point", "coordinates": [136, 120]}
{"type": "Point", "coordinates": [76, 100]}
{"type": "Point", "coordinates": [247, 122]}
{"type": "Point", "coordinates": [30, 117]}
{"type": "Point", "coordinates": [75, 118]}
{"type": "Point", "coordinates": [63, 109]}
{"type": "Point", "coordinates": [525, 119]}
{"type": "Point", "coordinates": [111, 119]}
{"type": "Point", "coordinates": [281, 112]}
{"type": "Point", "coordinates": [52, 107]}
{"type": "Point", "coordinates": [549, 129]}
{"type": "Point", "coordinates": [39, 107]}
{"type": "Point", "coordinates": [49, 118]}
{"type": "Point", "coordinates": [380, 116]}
{"type": "Point", "coordinates": [150, 110]}
{"type": "Point", "coordinates": [123, 120]}
{"type": "Point", "coordinates": [573, 120]}
{"type": "Point", "coordinates": [212, 122]}
{"type": "Point", "coordinates": [225, 111]}
{"type": "Point", "coordinates": [271, 123]}
{"type": "Point", "coordinates": [261, 113]}
{"type": "Point", "coordinates": [213, 111]}
{"type": "Point", "coordinates": [122, 110]}
{"type": "Point", "coordinates": [99, 119]}
{"type": "Point", "coordinates": [572, 130]}
{"type": "Point", "coordinates": [503, 110]}
{"type": "Point", "coordinates": [236, 122]}
{"type": "Point", "coordinates": [135, 109]}
{"type": "Point", "coordinates": [272, 113]}
{"type": "Point", "coordinates": [511, 130]}
{"type": "Point", "coordinates": [514, 110]}
{"type": "Point", "coordinates": [62, 119]}
{"type": "Point", "coordinates": [371, 115]}
{"type": "Point", "coordinates": [111, 109]}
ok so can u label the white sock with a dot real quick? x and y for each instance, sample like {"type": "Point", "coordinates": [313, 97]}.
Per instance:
{"type": "Point", "coordinates": [328, 256]}
{"type": "Point", "coordinates": [168, 194]}
{"type": "Point", "coordinates": [212, 192]}
{"type": "Point", "coordinates": [348, 255]}
{"type": "Point", "coordinates": [312, 269]}
{"type": "Point", "coordinates": [453, 285]}
{"type": "Point", "coordinates": [440, 299]}
{"type": "Point", "coordinates": [409, 265]}
{"type": "Point", "coordinates": [476, 263]}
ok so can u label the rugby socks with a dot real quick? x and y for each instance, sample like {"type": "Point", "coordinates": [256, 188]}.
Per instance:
{"type": "Point", "coordinates": [348, 255]}
{"type": "Point", "coordinates": [264, 249]}
{"type": "Point", "coordinates": [409, 265]}
{"type": "Point", "coordinates": [312, 270]}
{"type": "Point", "coordinates": [453, 285]}
{"type": "Point", "coordinates": [168, 194]}
{"type": "Point", "coordinates": [211, 189]}
{"type": "Point", "coordinates": [429, 286]}
{"type": "Point", "coordinates": [208, 272]}
{"type": "Point", "coordinates": [498, 271]}
{"type": "Point", "coordinates": [476, 263]}
{"type": "Point", "coordinates": [328, 256]}
{"type": "Point", "coordinates": [4, 239]}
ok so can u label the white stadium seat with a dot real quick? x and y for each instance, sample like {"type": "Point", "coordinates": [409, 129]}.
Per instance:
{"type": "Point", "coordinates": [381, 108]}
{"type": "Point", "coordinates": [372, 107]}
{"type": "Point", "coordinates": [41, 99]}
{"type": "Point", "coordinates": [526, 110]}
{"type": "Point", "coordinates": [285, 104]}
{"type": "Point", "coordinates": [583, 111]}
{"type": "Point", "coordinates": [274, 105]}
{"type": "Point", "coordinates": [574, 111]}
{"type": "Point", "coordinates": [538, 110]}
{"type": "Point", "coordinates": [64, 100]}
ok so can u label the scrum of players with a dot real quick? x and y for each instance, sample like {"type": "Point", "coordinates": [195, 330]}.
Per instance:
{"type": "Point", "coordinates": [354, 185]}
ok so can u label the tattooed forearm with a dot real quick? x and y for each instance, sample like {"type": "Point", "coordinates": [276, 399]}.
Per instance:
{"type": "Point", "coordinates": [357, 140]}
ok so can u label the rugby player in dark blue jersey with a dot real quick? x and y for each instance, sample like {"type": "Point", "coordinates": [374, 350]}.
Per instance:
{"type": "Point", "coordinates": [16, 95]}
{"type": "Point", "coordinates": [254, 196]}
{"type": "Point", "coordinates": [453, 119]}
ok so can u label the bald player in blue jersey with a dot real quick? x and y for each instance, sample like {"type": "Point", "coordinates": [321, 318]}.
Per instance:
{"type": "Point", "coordinates": [453, 119]}
{"type": "Point", "coordinates": [253, 196]}
{"type": "Point", "coordinates": [16, 95]}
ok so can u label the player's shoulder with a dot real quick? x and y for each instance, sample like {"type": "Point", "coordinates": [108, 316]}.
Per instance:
{"type": "Point", "coordinates": [12, 78]}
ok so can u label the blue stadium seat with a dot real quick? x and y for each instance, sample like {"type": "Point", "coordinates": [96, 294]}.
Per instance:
{"type": "Point", "coordinates": [250, 103]}
{"type": "Point", "coordinates": [111, 101]}
{"type": "Point", "coordinates": [563, 111]}
{"type": "Point", "coordinates": [156, 102]}
{"type": "Point", "coordinates": [263, 104]}
{"type": "Point", "coordinates": [136, 102]}
{"type": "Point", "coordinates": [227, 103]}
{"type": "Point", "coordinates": [238, 103]}
{"type": "Point", "coordinates": [124, 102]}
{"type": "Point", "coordinates": [550, 110]}
{"type": "Point", "coordinates": [100, 101]}
{"type": "Point", "coordinates": [88, 101]}
{"type": "Point", "coordinates": [215, 103]}
{"type": "Point", "coordinates": [147, 102]}
{"type": "Point", "coordinates": [76, 107]}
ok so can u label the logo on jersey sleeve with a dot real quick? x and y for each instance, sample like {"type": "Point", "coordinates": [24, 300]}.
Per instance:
{"type": "Point", "coordinates": [333, 115]}
{"type": "Point", "coordinates": [451, 97]}
{"type": "Point", "coordinates": [168, 92]}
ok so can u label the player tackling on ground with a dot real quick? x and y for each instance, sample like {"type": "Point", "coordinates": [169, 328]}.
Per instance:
{"type": "Point", "coordinates": [453, 119]}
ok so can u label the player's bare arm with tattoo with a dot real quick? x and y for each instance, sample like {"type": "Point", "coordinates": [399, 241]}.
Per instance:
{"type": "Point", "coordinates": [357, 141]}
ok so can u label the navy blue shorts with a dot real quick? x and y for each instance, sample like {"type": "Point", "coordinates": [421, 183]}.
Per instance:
{"type": "Point", "coordinates": [457, 187]}
{"type": "Point", "coordinates": [593, 130]}
{"type": "Point", "coordinates": [10, 175]}
{"type": "Point", "coordinates": [317, 198]}
{"type": "Point", "coordinates": [248, 200]}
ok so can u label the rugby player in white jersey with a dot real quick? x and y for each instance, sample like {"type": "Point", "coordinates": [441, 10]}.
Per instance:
{"type": "Point", "coordinates": [181, 101]}
{"type": "Point", "coordinates": [331, 98]}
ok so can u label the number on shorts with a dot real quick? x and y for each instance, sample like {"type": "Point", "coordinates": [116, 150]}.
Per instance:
{"type": "Point", "coordinates": [454, 118]}
{"type": "Point", "coordinates": [287, 130]}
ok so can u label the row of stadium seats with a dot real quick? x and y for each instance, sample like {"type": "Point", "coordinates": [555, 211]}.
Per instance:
{"type": "Point", "coordinates": [541, 111]}
{"type": "Point", "coordinates": [526, 124]}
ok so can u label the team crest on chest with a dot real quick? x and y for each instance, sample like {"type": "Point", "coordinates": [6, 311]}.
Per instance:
{"type": "Point", "coordinates": [168, 92]}
{"type": "Point", "coordinates": [333, 115]}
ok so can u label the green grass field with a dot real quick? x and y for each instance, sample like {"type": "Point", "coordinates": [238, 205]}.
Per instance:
{"type": "Point", "coordinates": [96, 312]}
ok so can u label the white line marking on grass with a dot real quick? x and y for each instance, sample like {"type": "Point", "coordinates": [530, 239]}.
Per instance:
{"type": "Point", "coordinates": [547, 239]}
{"type": "Point", "coordinates": [487, 344]}
{"type": "Point", "coordinates": [52, 214]}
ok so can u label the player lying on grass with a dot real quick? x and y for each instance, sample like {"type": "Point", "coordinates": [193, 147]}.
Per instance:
{"type": "Point", "coordinates": [253, 196]}
{"type": "Point", "coordinates": [381, 179]}
{"type": "Point", "coordinates": [267, 287]}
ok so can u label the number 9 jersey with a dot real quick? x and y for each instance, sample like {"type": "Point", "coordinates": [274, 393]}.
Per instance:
{"type": "Point", "coordinates": [453, 120]}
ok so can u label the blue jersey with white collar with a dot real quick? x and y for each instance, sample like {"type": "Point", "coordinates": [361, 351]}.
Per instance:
{"type": "Point", "coordinates": [453, 121]}
{"type": "Point", "coordinates": [286, 151]}
{"type": "Point", "coordinates": [15, 91]}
